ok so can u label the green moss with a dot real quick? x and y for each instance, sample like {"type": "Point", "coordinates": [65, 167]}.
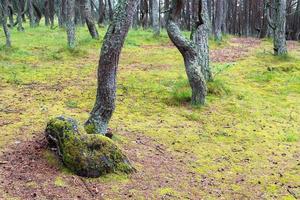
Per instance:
{"type": "Point", "coordinates": [170, 192]}
{"type": "Point", "coordinates": [90, 155]}
{"type": "Point", "coordinates": [59, 182]}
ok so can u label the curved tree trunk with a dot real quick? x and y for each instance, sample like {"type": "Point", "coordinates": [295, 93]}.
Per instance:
{"type": "Point", "coordinates": [86, 8]}
{"type": "Point", "coordinates": [108, 64]}
{"type": "Point", "coordinates": [190, 55]}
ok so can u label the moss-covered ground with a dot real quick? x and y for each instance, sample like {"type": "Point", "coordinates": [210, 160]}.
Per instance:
{"type": "Point", "coordinates": [243, 144]}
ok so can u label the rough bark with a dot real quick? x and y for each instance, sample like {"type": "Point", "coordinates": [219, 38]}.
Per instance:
{"type": "Point", "coordinates": [108, 64]}
{"type": "Point", "coordinates": [278, 24]}
{"type": "Point", "coordinates": [155, 17]}
{"type": "Point", "coordinates": [189, 52]}
{"type": "Point", "coordinates": [200, 38]}
{"type": "Point", "coordinates": [87, 13]}
{"type": "Point", "coordinates": [70, 24]}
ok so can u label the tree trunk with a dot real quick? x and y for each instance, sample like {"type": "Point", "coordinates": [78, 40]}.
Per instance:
{"type": "Point", "coordinates": [278, 24]}
{"type": "Point", "coordinates": [200, 38]}
{"type": "Point", "coordinates": [3, 15]}
{"type": "Point", "coordinates": [19, 17]}
{"type": "Point", "coordinates": [219, 20]}
{"type": "Point", "coordinates": [190, 55]}
{"type": "Point", "coordinates": [70, 24]}
{"type": "Point", "coordinates": [86, 8]}
{"type": "Point", "coordinates": [47, 13]}
{"type": "Point", "coordinates": [51, 12]}
{"type": "Point", "coordinates": [155, 16]}
{"type": "Point", "coordinates": [32, 19]}
{"type": "Point", "coordinates": [108, 65]}
{"type": "Point", "coordinates": [101, 12]}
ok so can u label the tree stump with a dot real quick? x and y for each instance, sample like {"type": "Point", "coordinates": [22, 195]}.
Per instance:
{"type": "Point", "coordinates": [87, 155]}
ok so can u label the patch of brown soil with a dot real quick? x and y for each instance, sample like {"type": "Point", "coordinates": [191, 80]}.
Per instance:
{"type": "Point", "coordinates": [293, 45]}
{"type": "Point", "coordinates": [239, 48]}
{"type": "Point", "coordinates": [26, 174]}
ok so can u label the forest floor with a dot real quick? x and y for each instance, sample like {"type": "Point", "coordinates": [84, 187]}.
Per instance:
{"type": "Point", "coordinates": [243, 144]}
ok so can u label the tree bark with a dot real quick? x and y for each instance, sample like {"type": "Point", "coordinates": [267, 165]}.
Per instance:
{"type": "Point", "coordinates": [200, 38]}
{"type": "Point", "coordinates": [19, 16]}
{"type": "Point", "coordinates": [189, 52]}
{"type": "Point", "coordinates": [108, 65]}
{"type": "Point", "coordinates": [219, 20]}
{"type": "Point", "coordinates": [70, 24]}
{"type": "Point", "coordinates": [86, 8]}
{"type": "Point", "coordinates": [155, 16]}
{"type": "Point", "coordinates": [278, 24]}
{"type": "Point", "coordinates": [101, 12]}
{"type": "Point", "coordinates": [3, 15]}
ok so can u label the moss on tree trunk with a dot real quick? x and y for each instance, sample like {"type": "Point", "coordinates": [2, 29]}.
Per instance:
{"type": "Point", "coordinates": [88, 155]}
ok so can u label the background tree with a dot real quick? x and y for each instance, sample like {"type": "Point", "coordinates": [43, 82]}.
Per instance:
{"type": "Point", "coordinates": [278, 24]}
{"type": "Point", "coordinates": [155, 17]}
{"type": "Point", "coordinates": [219, 17]}
{"type": "Point", "coordinates": [70, 23]}
{"type": "Point", "coordinates": [3, 16]}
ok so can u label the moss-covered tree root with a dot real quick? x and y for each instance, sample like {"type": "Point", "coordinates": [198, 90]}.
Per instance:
{"type": "Point", "coordinates": [88, 155]}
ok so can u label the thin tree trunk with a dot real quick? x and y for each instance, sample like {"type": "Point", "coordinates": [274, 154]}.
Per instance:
{"type": "Point", "coordinates": [101, 12]}
{"type": "Point", "coordinates": [86, 8]}
{"type": "Point", "coordinates": [32, 19]}
{"type": "Point", "coordinates": [219, 20]}
{"type": "Point", "coordinates": [3, 15]}
{"type": "Point", "coordinates": [19, 17]}
{"type": "Point", "coordinates": [108, 65]}
{"type": "Point", "coordinates": [155, 16]}
{"type": "Point", "coordinates": [71, 23]}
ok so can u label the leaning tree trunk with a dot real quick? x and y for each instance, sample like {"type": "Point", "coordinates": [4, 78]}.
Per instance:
{"type": "Point", "coordinates": [87, 12]}
{"type": "Point", "coordinates": [219, 20]}
{"type": "Point", "coordinates": [278, 24]}
{"type": "Point", "coordinates": [70, 23]}
{"type": "Point", "coordinates": [189, 52]}
{"type": "Point", "coordinates": [200, 38]}
{"type": "Point", "coordinates": [108, 64]}
{"type": "Point", "coordinates": [3, 16]}
{"type": "Point", "coordinates": [155, 17]}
